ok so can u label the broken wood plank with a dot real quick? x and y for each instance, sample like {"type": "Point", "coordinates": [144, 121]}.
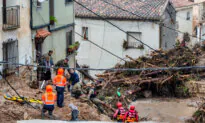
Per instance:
{"type": "Point", "coordinates": [167, 79]}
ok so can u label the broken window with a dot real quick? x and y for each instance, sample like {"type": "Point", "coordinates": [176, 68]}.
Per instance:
{"type": "Point", "coordinates": [132, 42]}
{"type": "Point", "coordinates": [85, 33]}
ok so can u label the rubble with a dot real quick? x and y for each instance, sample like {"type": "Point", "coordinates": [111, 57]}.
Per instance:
{"type": "Point", "coordinates": [165, 83]}
{"type": "Point", "coordinates": [12, 111]}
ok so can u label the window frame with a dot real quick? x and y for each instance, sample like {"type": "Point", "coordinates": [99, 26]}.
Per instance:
{"type": "Point", "coordinates": [137, 44]}
{"type": "Point", "coordinates": [85, 33]}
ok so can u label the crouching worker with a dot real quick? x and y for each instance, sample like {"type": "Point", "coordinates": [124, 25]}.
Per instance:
{"type": "Point", "coordinates": [74, 113]}
{"type": "Point", "coordinates": [77, 90]}
{"type": "Point", "coordinates": [48, 99]}
{"type": "Point", "coordinates": [119, 113]}
{"type": "Point", "coordinates": [131, 116]}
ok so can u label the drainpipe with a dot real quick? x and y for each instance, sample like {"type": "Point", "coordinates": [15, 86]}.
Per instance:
{"type": "Point", "coordinates": [31, 14]}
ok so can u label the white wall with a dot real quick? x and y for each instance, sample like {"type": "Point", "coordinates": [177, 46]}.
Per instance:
{"type": "Point", "coordinates": [23, 34]}
{"type": "Point", "coordinates": [185, 25]}
{"type": "Point", "coordinates": [111, 39]}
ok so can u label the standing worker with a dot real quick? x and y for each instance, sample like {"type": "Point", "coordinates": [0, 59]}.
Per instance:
{"type": "Point", "coordinates": [119, 113]}
{"type": "Point", "coordinates": [60, 83]}
{"type": "Point", "coordinates": [48, 99]}
{"type": "Point", "coordinates": [74, 78]}
{"type": "Point", "coordinates": [131, 115]}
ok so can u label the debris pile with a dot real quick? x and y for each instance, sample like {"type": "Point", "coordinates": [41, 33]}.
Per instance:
{"type": "Point", "coordinates": [199, 115]}
{"type": "Point", "coordinates": [148, 83]}
{"type": "Point", "coordinates": [12, 111]}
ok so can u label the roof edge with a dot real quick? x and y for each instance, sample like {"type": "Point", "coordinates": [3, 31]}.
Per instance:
{"type": "Point", "coordinates": [127, 19]}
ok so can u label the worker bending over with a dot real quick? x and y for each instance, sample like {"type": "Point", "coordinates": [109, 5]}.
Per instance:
{"type": "Point", "coordinates": [74, 78]}
{"type": "Point", "coordinates": [48, 99]}
{"type": "Point", "coordinates": [131, 115]}
{"type": "Point", "coordinates": [119, 113]}
{"type": "Point", "coordinates": [60, 83]}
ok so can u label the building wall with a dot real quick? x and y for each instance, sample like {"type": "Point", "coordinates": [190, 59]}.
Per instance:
{"type": "Point", "coordinates": [112, 39]}
{"type": "Point", "coordinates": [185, 25]}
{"type": "Point", "coordinates": [64, 12]}
{"type": "Point", "coordinates": [40, 15]}
{"type": "Point", "coordinates": [23, 34]}
{"type": "Point", "coordinates": [168, 36]}
{"type": "Point", "coordinates": [57, 42]}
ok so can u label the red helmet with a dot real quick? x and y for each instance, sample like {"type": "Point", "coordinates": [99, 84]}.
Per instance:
{"type": "Point", "coordinates": [132, 107]}
{"type": "Point", "coordinates": [119, 104]}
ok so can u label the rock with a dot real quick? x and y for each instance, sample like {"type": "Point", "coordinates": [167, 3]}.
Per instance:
{"type": "Point", "coordinates": [34, 84]}
{"type": "Point", "coordinates": [25, 116]}
{"type": "Point", "coordinates": [147, 94]}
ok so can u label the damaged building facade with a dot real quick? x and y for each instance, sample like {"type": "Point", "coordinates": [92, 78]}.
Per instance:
{"type": "Point", "coordinates": [145, 26]}
{"type": "Point", "coordinates": [30, 28]}
{"type": "Point", "coordinates": [52, 30]}
{"type": "Point", "coordinates": [15, 34]}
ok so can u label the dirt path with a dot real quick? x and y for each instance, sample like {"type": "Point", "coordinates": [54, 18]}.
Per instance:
{"type": "Point", "coordinates": [166, 110]}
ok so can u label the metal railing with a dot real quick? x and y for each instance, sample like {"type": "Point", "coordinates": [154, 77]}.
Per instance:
{"type": "Point", "coordinates": [11, 17]}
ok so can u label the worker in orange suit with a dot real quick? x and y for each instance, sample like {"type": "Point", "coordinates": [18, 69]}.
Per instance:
{"type": "Point", "coordinates": [60, 82]}
{"type": "Point", "coordinates": [48, 99]}
{"type": "Point", "coordinates": [131, 116]}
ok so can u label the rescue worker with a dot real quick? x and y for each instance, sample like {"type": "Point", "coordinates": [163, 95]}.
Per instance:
{"type": "Point", "coordinates": [74, 113]}
{"type": "Point", "coordinates": [74, 78]}
{"type": "Point", "coordinates": [77, 90]}
{"type": "Point", "coordinates": [92, 92]}
{"type": "Point", "coordinates": [60, 82]}
{"type": "Point", "coordinates": [119, 113]}
{"type": "Point", "coordinates": [49, 54]}
{"type": "Point", "coordinates": [63, 63]}
{"type": "Point", "coordinates": [48, 99]}
{"type": "Point", "coordinates": [131, 115]}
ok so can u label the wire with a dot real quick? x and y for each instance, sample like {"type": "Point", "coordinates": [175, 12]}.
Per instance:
{"type": "Point", "coordinates": [20, 95]}
{"type": "Point", "coordinates": [114, 69]}
{"type": "Point", "coordinates": [101, 47]}
{"type": "Point", "coordinates": [114, 25]}
{"type": "Point", "coordinates": [153, 22]}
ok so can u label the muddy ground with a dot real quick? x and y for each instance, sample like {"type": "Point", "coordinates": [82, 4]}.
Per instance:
{"type": "Point", "coordinates": [13, 111]}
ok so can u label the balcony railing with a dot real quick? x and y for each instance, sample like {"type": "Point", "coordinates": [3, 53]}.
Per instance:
{"type": "Point", "coordinates": [11, 17]}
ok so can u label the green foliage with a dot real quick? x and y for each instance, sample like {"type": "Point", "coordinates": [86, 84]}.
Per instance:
{"type": "Point", "coordinates": [52, 18]}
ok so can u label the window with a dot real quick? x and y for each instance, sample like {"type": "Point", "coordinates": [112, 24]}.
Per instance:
{"type": "Point", "coordinates": [188, 16]}
{"type": "Point", "coordinates": [85, 33]}
{"type": "Point", "coordinates": [69, 40]}
{"type": "Point", "coordinates": [133, 43]}
{"type": "Point", "coordinates": [51, 12]}
{"type": "Point", "coordinates": [11, 17]}
{"type": "Point", "coordinates": [10, 54]}
{"type": "Point", "coordinates": [38, 4]}
{"type": "Point", "coordinates": [68, 1]}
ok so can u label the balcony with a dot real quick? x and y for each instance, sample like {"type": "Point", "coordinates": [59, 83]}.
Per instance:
{"type": "Point", "coordinates": [11, 17]}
